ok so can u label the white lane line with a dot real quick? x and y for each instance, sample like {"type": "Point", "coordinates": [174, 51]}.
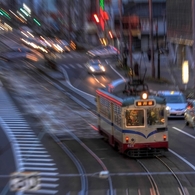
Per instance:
{"type": "Point", "coordinates": [37, 159]}
{"type": "Point", "coordinates": [33, 152]}
{"type": "Point", "coordinates": [31, 148]}
{"type": "Point", "coordinates": [21, 132]}
{"type": "Point", "coordinates": [24, 135]}
{"type": "Point", "coordinates": [14, 144]}
{"type": "Point", "coordinates": [48, 173]}
{"type": "Point", "coordinates": [26, 138]}
{"type": "Point", "coordinates": [22, 127]}
{"type": "Point", "coordinates": [49, 185]}
{"type": "Point", "coordinates": [47, 192]}
{"type": "Point", "coordinates": [184, 160]}
{"type": "Point", "coordinates": [30, 144]}
{"type": "Point", "coordinates": [26, 130]}
{"type": "Point", "coordinates": [38, 164]}
{"type": "Point", "coordinates": [49, 179]}
{"type": "Point", "coordinates": [39, 169]}
{"type": "Point", "coordinates": [29, 141]}
{"type": "Point", "coordinates": [28, 156]}
{"type": "Point", "coordinates": [17, 123]}
{"type": "Point", "coordinates": [181, 131]}
{"type": "Point", "coordinates": [16, 120]}
{"type": "Point", "coordinates": [18, 126]}
{"type": "Point", "coordinates": [6, 114]}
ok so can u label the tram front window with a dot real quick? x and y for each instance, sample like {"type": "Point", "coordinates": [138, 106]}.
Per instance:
{"type": "Point", "coordinates": [155, 116]}
{"type": "Point", "coordinates": [134, 118]}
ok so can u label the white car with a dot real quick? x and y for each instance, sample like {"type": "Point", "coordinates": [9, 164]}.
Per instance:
{"type": "Point", "coordinates": [95, 66]}
{"type": "Point", "coordinates": [176, 103]}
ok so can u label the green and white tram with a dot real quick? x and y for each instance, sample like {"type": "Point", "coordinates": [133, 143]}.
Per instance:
{"type": "Point", "coordinates": [132, 120]}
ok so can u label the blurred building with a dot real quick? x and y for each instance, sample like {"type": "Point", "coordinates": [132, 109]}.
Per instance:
{"type": "Point", "coordinates": [179, 31]}
{"type": "Point", "coordinates": [138, 12]}
{"type": "Point", "coordinates": [74, 19]}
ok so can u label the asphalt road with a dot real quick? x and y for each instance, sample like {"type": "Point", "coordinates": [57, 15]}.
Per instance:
{"type": "Point", "coordinates": [7, 162]}
{"type": "Point", "coordinates": [181, 138]}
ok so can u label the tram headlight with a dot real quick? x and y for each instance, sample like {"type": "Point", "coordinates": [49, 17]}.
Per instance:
{"type": "Point", "coordinates": [144, 95]}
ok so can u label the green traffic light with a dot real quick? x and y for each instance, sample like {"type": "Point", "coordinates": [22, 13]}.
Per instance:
{"type": "Point", "coordinates": [102, 4]}
{"type": "Point", "coordinates": [37, 22]}
{"type": "Point", "coordinates": [4, 13]}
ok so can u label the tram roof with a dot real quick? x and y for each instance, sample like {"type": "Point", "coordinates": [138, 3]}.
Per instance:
{"type": "Point", "coordinates": [115, 94]}
{"type": "Point", "coordinates": [124, 100]}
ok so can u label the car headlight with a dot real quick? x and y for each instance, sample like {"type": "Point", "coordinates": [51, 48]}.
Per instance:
{"type": "Point", "coordinates": [91, 68]}
{"type": "Point", "coordinates": [168, 108]}
{"type": "Point", "coordinates": [102, 68]}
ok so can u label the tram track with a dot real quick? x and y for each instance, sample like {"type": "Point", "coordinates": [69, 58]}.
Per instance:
{"type": "Point", "coordinates": [47, 121]}
{"type": "Point", "coordinates": [162, 172]}
{"type": "Point", "coordinates": [65, 132]}
{"type": "Point", "coordinates": [56, 131]}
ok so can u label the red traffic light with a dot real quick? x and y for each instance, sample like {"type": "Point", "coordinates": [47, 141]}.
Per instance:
{"type": "Point", "coordinates": [96, 18]}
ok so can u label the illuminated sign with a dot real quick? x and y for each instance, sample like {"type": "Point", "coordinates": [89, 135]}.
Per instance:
{"type": "Point", "coordinates": [142, 103]}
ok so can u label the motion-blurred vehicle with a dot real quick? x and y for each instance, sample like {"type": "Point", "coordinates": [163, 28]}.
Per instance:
{"type": "Point", "coordinates": [189, 114]}
{"type": "Point", "coordinates": [176, 103]}
{"type": "Point", "coordinates": [64, 44]}
{"type": "Point", "coordinates": [20, 53]}
{"type": "Point", "coordinates": [95, 66]}
{"type": "Point", "coordinates": [35, 43]}
{"type": "Point", "coordinates": [104, 52]}
{"type": "Point", "coordinates": [50, 60]}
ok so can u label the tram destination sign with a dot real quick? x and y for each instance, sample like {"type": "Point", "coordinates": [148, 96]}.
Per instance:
{"type": "Point", "coordinates": [144, 103]}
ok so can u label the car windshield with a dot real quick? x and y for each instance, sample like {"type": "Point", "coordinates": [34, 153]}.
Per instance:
{"type": "Point", "coordinates": [175, 99]}
{"type": "Point", "coordinates": [94, 63]}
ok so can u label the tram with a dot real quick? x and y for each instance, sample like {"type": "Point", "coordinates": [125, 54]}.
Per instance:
{"type": "Point", "coordinates": [132, 120]}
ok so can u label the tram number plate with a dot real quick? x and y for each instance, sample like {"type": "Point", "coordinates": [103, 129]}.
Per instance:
{"type": "Point", "coordinates": [24, 181]}
{"type": "Point", "coordinates": [130, 145]}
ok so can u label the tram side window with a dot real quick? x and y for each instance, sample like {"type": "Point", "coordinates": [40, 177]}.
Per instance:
{"type": "Point", "coordinates": [134, 118]}
{"type": "Point", "coordinates": [155, 116]}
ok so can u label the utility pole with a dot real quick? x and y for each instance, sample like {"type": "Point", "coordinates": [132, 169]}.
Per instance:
{"type": "Point", "coordinates": [193, 36]}
{"type": "Point", "coordinates": [157, 47]}
{"type": "Point", "coordinates": [70, 18]}
{"type": "Point", "coordinates": [130, 43]}
{"type": "Point", "coordinates": [121, 24]}
{"type": "Point", "coordinates": [151, 37]}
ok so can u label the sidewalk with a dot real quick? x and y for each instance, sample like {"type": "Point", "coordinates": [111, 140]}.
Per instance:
{"type": "Point", "coordinates": [170, 74]}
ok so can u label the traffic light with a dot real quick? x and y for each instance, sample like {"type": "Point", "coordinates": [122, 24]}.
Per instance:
{"type": "Point", "coordinates": [96, 18]}
{"type": "Point", "coordinates": [37, 22]}
{"type": "Point", "coordinates": [4, 13]}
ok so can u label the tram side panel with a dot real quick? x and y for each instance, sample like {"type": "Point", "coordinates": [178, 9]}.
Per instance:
{"type": "Point", "coordinates": [105, 118]}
